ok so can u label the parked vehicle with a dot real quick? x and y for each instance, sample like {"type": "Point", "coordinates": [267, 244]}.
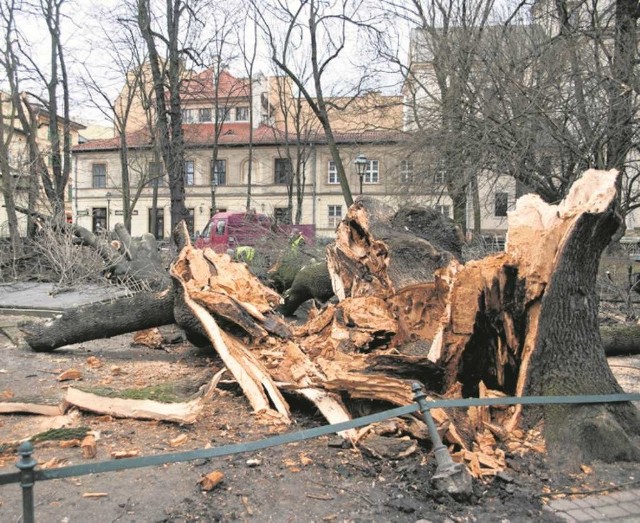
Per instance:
{"type": "Point", "coordinates": [232, 229]}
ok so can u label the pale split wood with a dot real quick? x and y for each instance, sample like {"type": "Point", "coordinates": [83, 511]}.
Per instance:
{"type": "Point", "coordinates": [140, 409]}
{"type": "Point", "coordinates": [253, 378]}
{"type": "Point", "coordinates": [9, 407]}
{"type": "Point", "coordinates": [357, 262]}
{"type": "Point", "coordinates": [183, 412]}
{"type": "Point", "coordinates": [331, 408]}
{"type": "Point", "coordinates": [250, 375]}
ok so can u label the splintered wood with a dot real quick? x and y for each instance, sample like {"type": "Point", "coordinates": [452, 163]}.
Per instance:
{"type": "Point", "coordinates": [407, 311]}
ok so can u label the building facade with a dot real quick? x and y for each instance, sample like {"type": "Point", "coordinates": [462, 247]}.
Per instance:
{"type": "Point", "coordinates": [14, 148]}
{"type": "Point", "coordinates": [283, 152]}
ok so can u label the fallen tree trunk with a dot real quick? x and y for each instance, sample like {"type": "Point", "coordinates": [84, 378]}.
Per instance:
{"type": "Point", "coordinates": [134, 263]}
{"type": "Point", "coordinates": [620, 340]}
{"type": "Point", "coordinates": [143, 310]}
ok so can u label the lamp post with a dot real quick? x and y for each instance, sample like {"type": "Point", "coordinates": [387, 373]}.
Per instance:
{"type": "Point", "coordinates": [108, 195]}
{"type": "Point", "coordinates": [214, 185]}
{"type": "Point", "coordinates": [361, 167]}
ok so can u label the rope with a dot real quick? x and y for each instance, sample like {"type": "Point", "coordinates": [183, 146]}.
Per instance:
{"type": "Point", "coordinates": [283, 439]}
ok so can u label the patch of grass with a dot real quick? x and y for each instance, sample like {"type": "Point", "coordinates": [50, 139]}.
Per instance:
{"type": "Point", "coordinates": [163, 392]}
{"type": "Point", "coordinates": [61, 434]}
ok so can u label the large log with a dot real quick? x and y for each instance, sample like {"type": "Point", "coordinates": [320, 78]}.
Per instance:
{"type": "Point", "coordinates": [143, 310]}
{"type": "Point", "coordinates": [620, 340]}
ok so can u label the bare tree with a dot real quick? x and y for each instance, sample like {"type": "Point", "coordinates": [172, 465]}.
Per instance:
{"type": "Point", "coordinates": [166, 85]}
{"type": "Point", "coordinates": [319, 33]}
{"type": "Point", "coordinates": [441, 89]}
{"type": "Point", "coordinates": [295, 127]}
{"type": "Point", "coordinates": [559, 99]}
{"type": "Point", "coordinates": [16, 51]}
{"type": "Point", "coordinates": [222, 42]}
{"type": "Point", "coordinates": [249, 47]}
{"type": "Point", "coordinates": [126, 60]}
{"type": "Point", "coordinates": [7, 140]}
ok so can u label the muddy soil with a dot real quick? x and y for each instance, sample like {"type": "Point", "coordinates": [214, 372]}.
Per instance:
{"type": "Point", "coordinates": [316, 480]}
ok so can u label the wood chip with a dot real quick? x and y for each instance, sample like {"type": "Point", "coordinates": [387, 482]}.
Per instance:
{"type": "Point", "coordinates": [119, 454]}
{"type": "Point", "coordinates": [211, 480]}
{"type": "Point", "coordinates": [305, 460]}
{"type": "Point", "coordinates": [178, 441]}
{"type": "Point", "coordinates": [245, 502]}
{"type": "Point", "coordinates": [70, 374]}
{"type": "Point", "coordinates": [89, 447]}
{"type": "Point", "coordinates": [53, 463]}
{"type": "Point", "coordinates": [69, 443]}
{"type": "Point", "coordinates": [95, 495]}
{"type": "Point", "coordinates": [94, 363]}
{"type": "Point", "coordinates": [149, 338]}
{"type": "Point", "coordinates": [586, 469]}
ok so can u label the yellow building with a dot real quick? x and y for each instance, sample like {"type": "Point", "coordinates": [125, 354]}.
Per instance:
{"type": "Point", "coordinates": [18, 157]}
{"type": "Point", "coordinates": [218, 113]}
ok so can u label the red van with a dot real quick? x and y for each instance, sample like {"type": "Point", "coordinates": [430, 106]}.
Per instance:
{"type": "Point", "coordinates": [228, 230]}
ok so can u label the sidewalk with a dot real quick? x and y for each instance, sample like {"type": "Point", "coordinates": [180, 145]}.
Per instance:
{"type": "Point", "coordinates": [623, 505]}
{"type": "Point", "coordinates": [37, 299]}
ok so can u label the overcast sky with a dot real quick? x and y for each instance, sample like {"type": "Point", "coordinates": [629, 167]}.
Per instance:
{"type": "Point", "coordinates": [86, 49]}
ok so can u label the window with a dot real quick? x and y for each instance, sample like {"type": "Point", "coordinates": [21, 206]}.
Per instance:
{"type": "Point", "coordinates": [282, 171]}
{"type": "Point", "coordinates": [99, 221]}
{"type": "Point", "coordinates": [189, 171]}
{"type": "Point", "coordinates": [157, 228]}
{"type": "Point", "coordinates": [222, 113]}
{"type": "Point", "coordinates": [242, 114]}
{"type": "Point", "coordinates": [333, 173]}
{"type": "Point", "coordinates": [406, 171]}
{"type": "Point", "coordinates": [188, 116]}
{"type": "Point", "coordinates": [156, 174]}
{"type": "Point", "coordinates": [439, 176]}
{"type": "Point", "coordinates": [219, 172]}
{"type": "Point", "coordinates": [99, 175]}
{"type": "Point", "coordinates": [371, 173]}
{"type": "Point", "coordinates": [444, 210]}
{"type": "Point", "coordinates": [189, 221]}
{"type": "Point", "coordinates": [335, 215]}
{"type": "Point", "coordinates": [501, 203]}
{"type": "Point", "coordinates": [204, 115]}
{"type": "Point", "coordinates": [282, 215]}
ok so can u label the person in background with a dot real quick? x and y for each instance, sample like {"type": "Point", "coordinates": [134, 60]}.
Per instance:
{"type": "Point", "coordinates": [297, 239]}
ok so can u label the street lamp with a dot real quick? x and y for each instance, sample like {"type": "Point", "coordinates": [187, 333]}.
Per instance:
{"type": "Point", "coordinates": [108, 195]}
{"type": "Point", "coordinates": [214, 185]}
{"type": "Point", "coordinates": [361, 167]}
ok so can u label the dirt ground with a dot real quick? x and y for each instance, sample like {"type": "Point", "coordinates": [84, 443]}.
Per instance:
{"type": "Point", "coordinates": [317, 480]}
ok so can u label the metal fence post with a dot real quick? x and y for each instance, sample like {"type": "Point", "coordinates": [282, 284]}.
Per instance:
{"type": "Point", "coordinates": [450, 477]}
{"type": "Point", "coordinates": [26, 465]}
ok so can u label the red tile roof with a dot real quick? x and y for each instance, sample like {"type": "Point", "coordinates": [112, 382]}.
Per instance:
{"type": "Point", "coordinates": [202, 134]}
{"type": "Point", "coordinates": [201, 86]}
